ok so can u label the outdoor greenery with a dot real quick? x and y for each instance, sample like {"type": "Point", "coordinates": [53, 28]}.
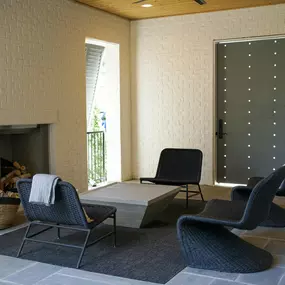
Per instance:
{"type": "Point", "coordinates": [96, 152]}
{"type": "Point", "coordinates": [96, 121]}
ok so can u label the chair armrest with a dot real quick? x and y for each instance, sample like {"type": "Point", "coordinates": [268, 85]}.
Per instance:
{"type": "Point", "coordinates": [240, 193]}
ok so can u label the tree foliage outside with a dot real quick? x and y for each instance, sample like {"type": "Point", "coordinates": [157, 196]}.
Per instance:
{"type": "Point", "coordinates": [96, 152]}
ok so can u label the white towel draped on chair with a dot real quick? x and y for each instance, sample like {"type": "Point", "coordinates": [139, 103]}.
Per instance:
{"type": "Point", "coordinates": [43, 189]}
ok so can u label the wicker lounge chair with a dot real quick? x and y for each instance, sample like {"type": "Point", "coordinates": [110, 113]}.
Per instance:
{"type": "Point", "coordinates": [66, 213]}
{"type": "Point", "coordinates": [276, 217]}
{"type": "Point", "coordinates": [207, 241]}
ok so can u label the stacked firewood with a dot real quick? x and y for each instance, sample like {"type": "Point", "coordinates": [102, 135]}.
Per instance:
{"type": "Point", "coordinates": [9, 181]}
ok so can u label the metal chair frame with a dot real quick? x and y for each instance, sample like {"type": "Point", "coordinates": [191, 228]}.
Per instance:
{"type": "Point", "coordinates": [59, 227]}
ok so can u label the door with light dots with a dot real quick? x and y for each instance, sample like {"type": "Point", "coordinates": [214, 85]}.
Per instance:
{"type": "Point", "coordinates": [250, 120]}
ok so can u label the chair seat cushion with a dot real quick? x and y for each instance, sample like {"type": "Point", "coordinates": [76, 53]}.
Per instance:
{"type": "Point", "coordinates": [223, 212]}
{"type": "Point", "coordinates": [223, 209]}
{"type": "Point", "coordinates": [98, 213]}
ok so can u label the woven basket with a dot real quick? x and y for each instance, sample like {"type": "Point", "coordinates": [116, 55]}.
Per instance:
{"type": "Point", "coordinates": [8, 211]}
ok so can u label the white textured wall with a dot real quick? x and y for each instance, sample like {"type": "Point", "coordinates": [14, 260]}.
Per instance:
{"type": "Point", "coordinates": [173, 79]}
{"type": "Point", "coordinates": [42, 75]}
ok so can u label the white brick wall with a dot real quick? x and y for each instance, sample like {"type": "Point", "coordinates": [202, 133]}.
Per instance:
{"type": "Point", "coordinates": [173, 79]}
{"type": "Point", "coordinates": [42, 75]}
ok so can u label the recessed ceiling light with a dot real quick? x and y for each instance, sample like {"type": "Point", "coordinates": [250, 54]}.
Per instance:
{"type": "Point", "coordinates": [146, 5]}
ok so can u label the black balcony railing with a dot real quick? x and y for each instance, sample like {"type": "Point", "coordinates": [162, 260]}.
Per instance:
{"type": "Point", "coordinates": [96, 157]}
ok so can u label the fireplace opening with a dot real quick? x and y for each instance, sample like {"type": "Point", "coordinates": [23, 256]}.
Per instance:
{"type": "Point", "coordinates": [24, 151]}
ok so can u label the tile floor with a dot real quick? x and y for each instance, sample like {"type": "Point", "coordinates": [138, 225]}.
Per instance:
{"type": "Point", "coordinates": [23, 272]}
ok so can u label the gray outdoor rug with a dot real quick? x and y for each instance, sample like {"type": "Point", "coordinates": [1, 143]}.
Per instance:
{"type": "Point", "coordinates": [149, 254]}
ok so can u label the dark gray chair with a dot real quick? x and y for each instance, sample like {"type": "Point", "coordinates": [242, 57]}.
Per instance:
{"type": "Point", "coordinates": [66, 213]}
{"type": "Point", "coordinates": [179, 167]}
{"type": "Point", "coordinates": [207, 241]}
{"type": "Point", "coordinates": [276, 217]}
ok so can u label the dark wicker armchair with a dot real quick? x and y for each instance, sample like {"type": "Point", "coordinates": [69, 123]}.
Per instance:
{"type": "Point", "coordinates": [207, 243]}
{"type": "Point", "coordinates": [179, 167]}
{"type": "Point", "coordinates": [66, 213]}
{"type": "Point", "coordinates": [276, 217]}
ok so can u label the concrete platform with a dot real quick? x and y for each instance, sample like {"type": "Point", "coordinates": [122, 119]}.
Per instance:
{"type": "Point", "coordinates": [137, 204]}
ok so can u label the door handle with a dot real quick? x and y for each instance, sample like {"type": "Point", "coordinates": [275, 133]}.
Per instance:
{"type": "Point", "coordinates": [220, 133]}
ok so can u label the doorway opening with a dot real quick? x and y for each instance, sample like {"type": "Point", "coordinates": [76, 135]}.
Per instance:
{"type": "Point", "coordinates": [103, 112]}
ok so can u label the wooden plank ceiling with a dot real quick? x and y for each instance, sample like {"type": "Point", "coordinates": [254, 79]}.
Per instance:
{"type": "Point", "coordinates": [162, 8]}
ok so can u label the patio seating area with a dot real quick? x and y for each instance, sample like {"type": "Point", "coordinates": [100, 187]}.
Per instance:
{"type": "Point", "coordinates": [27, 271]}
{"type": "Point", "coordinates": [142, 142]}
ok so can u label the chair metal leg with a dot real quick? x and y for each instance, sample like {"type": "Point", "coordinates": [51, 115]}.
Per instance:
{"type": "Point", "coordinates": [115, 230]}
{"type": "Point", "coordinates": [83, 249]}
{"type": "Point", "coordinates": [187, 196]}
{"type": "Point", "coordinates": [58, 233]}
{"type": "Point", "coordinates": [201, 192]}
{"type": "Point", "coordinates": [24, 240]}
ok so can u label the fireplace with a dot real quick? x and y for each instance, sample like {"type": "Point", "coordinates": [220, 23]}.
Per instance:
{"type": "Point", "coordinates": [27, 145]}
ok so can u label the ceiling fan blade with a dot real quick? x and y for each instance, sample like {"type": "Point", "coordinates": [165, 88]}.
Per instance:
{"type": "Point", "coordinates": [201, 2]}
{"type": "Point", "coordinates": [139, 1]}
